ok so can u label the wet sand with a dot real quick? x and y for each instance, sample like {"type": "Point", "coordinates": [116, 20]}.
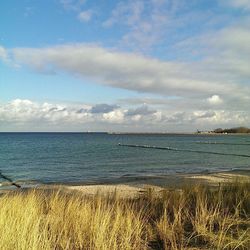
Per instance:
{"type": "Point", "coordinates": [140, 185]}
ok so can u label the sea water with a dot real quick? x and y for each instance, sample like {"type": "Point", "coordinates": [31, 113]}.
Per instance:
{"type": "Point", "coordinates": [97, 157]}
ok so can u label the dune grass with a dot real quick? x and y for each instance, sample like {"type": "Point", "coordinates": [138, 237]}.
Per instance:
{"type": "Point", "coordinates": [195, 217]}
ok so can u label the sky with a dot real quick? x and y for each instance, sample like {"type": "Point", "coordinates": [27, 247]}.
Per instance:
{"type": "Point", "coordinates": [124, 66]}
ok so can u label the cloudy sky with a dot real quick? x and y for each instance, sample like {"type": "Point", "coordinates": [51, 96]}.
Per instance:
{"type": "Point", "coordinates": [124, 66]}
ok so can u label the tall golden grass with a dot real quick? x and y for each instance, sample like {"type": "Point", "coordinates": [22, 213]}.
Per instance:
{"type": "Point", "coordinates": [195, 217]}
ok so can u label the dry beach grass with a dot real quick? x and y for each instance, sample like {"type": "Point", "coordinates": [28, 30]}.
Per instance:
{"type": "Point", "coordinates": [193, 217]}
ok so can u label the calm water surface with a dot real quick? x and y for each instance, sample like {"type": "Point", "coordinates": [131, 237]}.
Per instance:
{"type": "Point", "coordinates": [95, 158]}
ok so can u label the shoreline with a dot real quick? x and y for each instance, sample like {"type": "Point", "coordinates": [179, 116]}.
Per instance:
{"type": "Point", "coordinates": [121, 133]}
{"type": "Point", "coordinates": [132, 186]}
{"type": "Point", "coordinates": [166, 179]}
{"type": "Point", "coordinates": [135, 187]}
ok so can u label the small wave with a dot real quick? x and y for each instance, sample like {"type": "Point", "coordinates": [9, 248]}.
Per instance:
{"type": "Point", "coordinates": [222, 143]}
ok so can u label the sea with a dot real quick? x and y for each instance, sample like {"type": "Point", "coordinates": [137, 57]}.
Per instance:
{"type": "Point", "coordinates": [94, 158]}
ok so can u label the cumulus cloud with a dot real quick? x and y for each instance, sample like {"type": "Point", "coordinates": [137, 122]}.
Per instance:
{"type": "Point", "coordinates": [85, 16]}
{"type": "Point", "coordinates": [3, 53]}
{"type": "Point", "coordinates": [177, 118]}
{"type": "Point", "coordinates": [214, 100]}
{"type": "Point", "coordinates": [21, 114]}
{"type": "Point", "coordinates": [204, 114]}
{"type": "Point", "coordinates": [25, 111]}
{"type": "Point", "coordinates": [116, 116]}
{"type": "Point", "coordinates": [219, 118]}
{"type": "Point", "coordinates": [76, 6]}
{"type": "Point", "coordinates": [103, 108]}
{"type": "Point", "coordinates": [142, 110]}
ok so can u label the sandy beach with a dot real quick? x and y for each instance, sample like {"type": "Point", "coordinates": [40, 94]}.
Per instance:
{"type": "Point", "coordinates": [135, 187]}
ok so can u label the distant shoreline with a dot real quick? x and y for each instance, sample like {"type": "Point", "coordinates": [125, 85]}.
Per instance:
{"type": "Point", "coordinates": [129, 133]}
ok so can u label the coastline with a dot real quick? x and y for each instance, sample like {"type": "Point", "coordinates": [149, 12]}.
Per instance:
{"type": "Point", "coordinates": [131, 188]}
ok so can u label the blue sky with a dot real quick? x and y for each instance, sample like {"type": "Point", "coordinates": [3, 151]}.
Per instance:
{"type": "Point", "coordinates": [158, 65]}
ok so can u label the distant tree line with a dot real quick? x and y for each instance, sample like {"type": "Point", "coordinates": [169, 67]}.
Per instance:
{"type": "Point", "coordinates": [240, 130]}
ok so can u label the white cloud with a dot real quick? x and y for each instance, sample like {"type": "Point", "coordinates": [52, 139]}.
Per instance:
{"type": "Point", "coordinates": [25, 111]}
{"type": "Point", "coordinates": [116, 116]}
{"type": "Point", "coordinates": [220, 118]}
{"type": "Point", "coordinates": [204, 114]}
{"type": "Point", "coordinates": [22, 114]}
{"type": "Point", "coordinates": [153, 23]}
{"type": "Point", "coordinates": [144, 21]}
{"type": "Point", "coordinates": [131, 71]}
{"type": "Point", "coordinates": [74, 5]}
{"type": "Point", "coordinates": [244, 4]}
{"type": "Point", "coordinates": [217, 80]}
{"type": "Point", "coordinates": [3, 53]}
{"type": "Point", "coordinates": [77, 7]}
{"type": "Point", "coordinates": [214, 100]}
{"type": "Point", "coordinates": [142, 110]}
{"type": "Point", "coordinates": [85, 16]}
{"type": "Point", "coordinates": [125, 12]}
